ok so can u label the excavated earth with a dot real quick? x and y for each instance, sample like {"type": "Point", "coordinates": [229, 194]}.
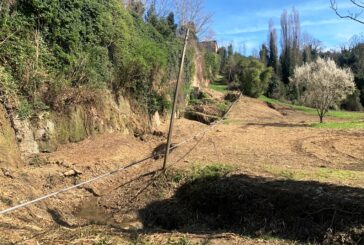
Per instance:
{"type": "Point", "coordinates": [258, 141]}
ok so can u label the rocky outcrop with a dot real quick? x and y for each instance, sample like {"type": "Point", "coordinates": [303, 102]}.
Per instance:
{"type": "Point", "coordinates": [46, 131]}
{"type": "Point", "coordinates": [198, 79]}
{"type": "Point", "coordinates": [9, 150]}
{"type": "Point", "coordinates": [81, 121]}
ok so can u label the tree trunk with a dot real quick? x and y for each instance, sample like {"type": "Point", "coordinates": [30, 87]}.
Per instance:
{"type": "Point", "coordinates": [321, 118]}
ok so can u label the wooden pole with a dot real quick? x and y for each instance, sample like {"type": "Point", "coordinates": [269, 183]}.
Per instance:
{"type": "Point", "coordinates": [170, 133]}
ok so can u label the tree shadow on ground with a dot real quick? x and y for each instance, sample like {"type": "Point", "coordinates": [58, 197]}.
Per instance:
{"type": "Point", "coordinates": [279, 125]}
{"type": "Point", "coordinates": [258, 207]}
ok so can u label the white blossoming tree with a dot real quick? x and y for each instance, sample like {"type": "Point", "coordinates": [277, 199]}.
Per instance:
{"type": "Point", "coordinates": [324, 84]}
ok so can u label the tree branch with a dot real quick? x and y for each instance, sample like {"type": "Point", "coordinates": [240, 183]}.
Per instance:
{"type": "Point", "coordinates": [7, 38]}
{"type": "Point", "coordinates": [360, 5]}
{"type": "Point", "coordinates": [350, 16]}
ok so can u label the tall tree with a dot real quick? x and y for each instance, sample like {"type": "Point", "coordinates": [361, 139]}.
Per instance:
{"type": "Point", "coordinates": [273, 49]}
{"type": "Point", "coordinates": [311, 48]}
{"type": "Point", "coordinates": [136, 7]}
{"type": "Point", "coordinates": [223, 57]}
{"type": "Point", "coordinates": [151, 16]}
{"type": "Point", "coordinates": [264, 54]}
{"type": "Point", "coordinates": [230, 63]}
{"type": "Point", "coordinates": [171, 22]}
{"type": "Point", "coordinates": [290, 43]}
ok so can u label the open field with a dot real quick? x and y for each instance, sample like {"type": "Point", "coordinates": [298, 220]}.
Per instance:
{"type": "Point", "coordinates": [265, 176]}
{"type": "Point", "coordinates": [354, 120]}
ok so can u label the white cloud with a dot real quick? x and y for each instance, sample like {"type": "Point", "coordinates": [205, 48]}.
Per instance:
{"type": "Point", "coordinates": [307, 8]}
{"type": "Point", "coordinates": [316, 17]}
{"type": "Point", "coordinates": [239, 31]}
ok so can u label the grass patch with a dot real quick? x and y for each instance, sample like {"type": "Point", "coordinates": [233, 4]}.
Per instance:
{"type": "Point", "coordinates": [311, 111]}
{"type": "Point", "coordinates": [210, 171]}
{"type": "Point", "coordinates": [340, 125]}
{"type": "Point", "coordinates": [318, 174]}
{"type": "Point", "coordinates": [219, 85]}
{"type": "Point", "coordinates": [223, 106]}
{"type": "Point", "coordinates": [230, 121]}
{"type": "Point", "coordinates": [170, 241]}
{"type": "Point", "coordinates": [197, 172]}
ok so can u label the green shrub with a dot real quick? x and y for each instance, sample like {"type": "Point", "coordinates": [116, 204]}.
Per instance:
{"type": "Point", "coordinates": [8, 86]}
{"type": "Point", "coordinates": [25, 109]}
{"type": "Point", "coordinates": [254, 77]}
{"type": "Point", "coordinates": [212, 65]}
{"type": "Point", "coordinates": [92, 44]}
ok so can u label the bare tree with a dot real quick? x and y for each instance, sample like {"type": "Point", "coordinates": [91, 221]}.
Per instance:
{"type": "Point", "coordinates": [311, 47]}
{"type": "Point", "coordinates": [193, 12]}
{"type": "Point", "coordinates": [210, 35]}
{"type": "Point", "coordinates": [290, 43]}
{"type": "Point", "coordinates": [349, 14]}
{"type": "Point", "coordinates": [162, 7]}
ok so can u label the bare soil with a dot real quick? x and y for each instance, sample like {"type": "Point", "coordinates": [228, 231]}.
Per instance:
{"type": "Point", "coordinates": [275, 144]}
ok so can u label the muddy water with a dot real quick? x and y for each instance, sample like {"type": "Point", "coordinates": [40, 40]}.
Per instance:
{"type": "Point", "coordinates": [94, 213]}
{"type": "Point", "coordinates": [91, 211]}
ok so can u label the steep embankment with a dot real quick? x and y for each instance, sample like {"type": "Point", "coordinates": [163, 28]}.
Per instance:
{"type": "Point", "coordinates": [9, 151]}
{"type": "Point", "coordinates": [91, 67]}
{"type": "Point", "coordinates": [46, 131]}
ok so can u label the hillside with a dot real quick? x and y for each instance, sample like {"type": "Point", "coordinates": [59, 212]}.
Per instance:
{"type": "Point", "coordinates": [267, 146]}
{"type": "Point", "coordinates": [70, 70]}
{"type": "Point", "coordinates": [258, 147]}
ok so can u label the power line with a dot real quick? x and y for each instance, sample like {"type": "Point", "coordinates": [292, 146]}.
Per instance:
{"type": "Point", "coordinates": [120, 169]}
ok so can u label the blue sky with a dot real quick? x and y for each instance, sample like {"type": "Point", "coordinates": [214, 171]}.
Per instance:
{"type": "Point", "coordinates": [246, 21]}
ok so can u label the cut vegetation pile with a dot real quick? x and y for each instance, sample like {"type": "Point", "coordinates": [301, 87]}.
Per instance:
{"type": "Point", "coordinates": [206, 109]}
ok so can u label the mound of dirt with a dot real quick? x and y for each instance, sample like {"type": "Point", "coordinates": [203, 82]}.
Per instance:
{"type": "Point", "coordinates": [255, 206]}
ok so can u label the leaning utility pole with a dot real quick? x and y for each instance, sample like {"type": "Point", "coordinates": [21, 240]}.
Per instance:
{"type": "Point", "coordinates": [168, 146]}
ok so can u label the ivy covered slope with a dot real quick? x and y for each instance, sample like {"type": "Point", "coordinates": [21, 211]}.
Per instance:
{"type": "Point", "coordinates": [59, 52]}
{"type": "Point", "coordinates": [74, 68]}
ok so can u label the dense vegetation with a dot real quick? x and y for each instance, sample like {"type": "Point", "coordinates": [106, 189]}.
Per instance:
{"type": "Point", "coordinates": [53, 53]}
{"type": "Point", "coordinates": [296, 49]}
{"type": "Point", "coordinates": [248, 74]}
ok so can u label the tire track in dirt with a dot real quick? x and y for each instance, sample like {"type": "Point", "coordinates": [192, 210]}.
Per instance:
{"type": "Point", "coordinates": [327, 150]}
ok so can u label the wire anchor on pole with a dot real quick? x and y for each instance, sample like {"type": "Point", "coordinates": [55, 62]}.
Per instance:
{"type": "Point", "coordinates": [170, 132]}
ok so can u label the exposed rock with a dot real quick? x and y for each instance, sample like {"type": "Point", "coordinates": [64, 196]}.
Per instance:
{"type": "Point", "coordinates": [159, 133]}
{"type": "Point", "coordinates": [156, 121]}
{"type": "Point", "coordinates": [9, 150]}
{"type": "Point", "coordinates": [136, 225]}
{"type": "Point", "coordinates": [27, 144]}
{"type": "Point", "coordinates": [94, 191]}
{"type": "Point", "coordinates": [7, 173]}
{"type": "Point", "coordinates": [40, 134]}
{"type": "Point", "coordinates": [72, 172]}
{"type": "Point", "coordinates": [77, 171]}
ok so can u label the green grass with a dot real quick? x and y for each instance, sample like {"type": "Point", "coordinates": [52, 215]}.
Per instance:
{"type": "Point", "coordinates": [219, 85]}
{"type": "Point", "coordinates": [353, 116]}
{"type": "Point", "coordinates": [340, 125]}
{"type": "Point", "coordinates": [318, 174]}
{"type": "Point", "coordinates": [223, 106]}
{"type": "Point", "coordinates": [199, 171]}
